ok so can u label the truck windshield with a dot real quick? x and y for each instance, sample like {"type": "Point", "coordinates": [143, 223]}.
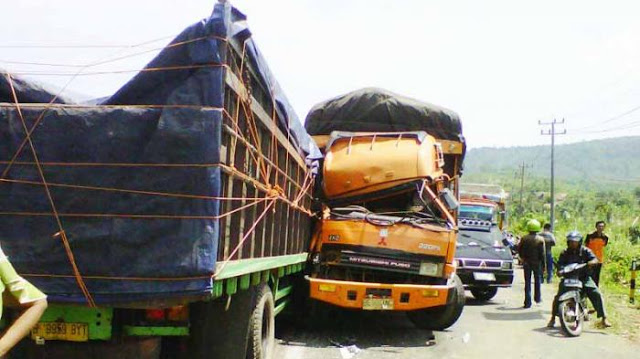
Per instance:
{"type": "Point", "coordinates": [484, 213]}
{"type": "Point", "coordinates": [408, 207]}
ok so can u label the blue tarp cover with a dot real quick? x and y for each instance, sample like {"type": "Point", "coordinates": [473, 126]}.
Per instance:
{"type": "Point", "coordinates": [129, 252]}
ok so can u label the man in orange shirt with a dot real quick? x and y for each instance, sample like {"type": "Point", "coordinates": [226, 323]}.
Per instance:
{"type": "Point", "coordinates": [596, 241]}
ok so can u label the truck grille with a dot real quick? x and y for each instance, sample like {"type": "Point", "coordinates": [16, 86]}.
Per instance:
{"type": "Point", "coordinates": [480, 263]}
{"type": "Point", "coordinates": [352, 258]}
{"type": "Point", "coordinates": [390, 260]}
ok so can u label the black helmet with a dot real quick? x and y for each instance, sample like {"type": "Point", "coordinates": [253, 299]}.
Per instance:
{"type": "Point", "coordinates": [574, 236]}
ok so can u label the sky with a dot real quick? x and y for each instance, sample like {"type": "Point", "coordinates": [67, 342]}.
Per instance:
{"type": "Point", "coordinates": [502, 65]}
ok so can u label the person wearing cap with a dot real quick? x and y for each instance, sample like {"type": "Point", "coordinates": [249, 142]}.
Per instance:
{"type": "Point", "coordinates": [32, 301]}
{"type": "Point", "coordinates": [531, 251]}
{"type": "Point", "coordinates": [577, 253]}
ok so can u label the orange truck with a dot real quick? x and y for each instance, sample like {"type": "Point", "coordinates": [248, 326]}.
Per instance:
{"type": "Point", "coordinates": [387, 235]}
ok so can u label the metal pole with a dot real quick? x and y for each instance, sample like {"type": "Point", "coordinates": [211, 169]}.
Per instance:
{"type": "Point", "coordinates": [521, 182]}
{"type": "Point", "coordinates": [553, 134]}
{"type": "Point", "coordinates": [632, 286]}
{"type": "Point", "coordinates": [553, 197]}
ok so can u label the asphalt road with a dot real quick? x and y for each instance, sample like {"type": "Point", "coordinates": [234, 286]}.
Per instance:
{"type": "Point", "coordinates": [499, 328]}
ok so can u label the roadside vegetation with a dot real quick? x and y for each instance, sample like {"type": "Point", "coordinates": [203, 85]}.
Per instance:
{"type": "Point", "coordinates": [579, 206]}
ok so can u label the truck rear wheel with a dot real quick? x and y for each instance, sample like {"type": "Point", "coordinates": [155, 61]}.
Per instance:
{"type": "Point", "coordinates": [484, 293]}
{"type": "Point", "coordinates": [261, 341]}
{"type": "Point", "coordinates": [440, 318]}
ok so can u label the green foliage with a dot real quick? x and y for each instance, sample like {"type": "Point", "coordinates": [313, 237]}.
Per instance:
{"type": "Point", "coordinates": [600, 164]}
{"type": "Point", "coordinates": [579, 204]}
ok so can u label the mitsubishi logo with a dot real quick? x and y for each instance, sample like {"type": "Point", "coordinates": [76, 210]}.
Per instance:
{"type": "Point", "coordinates": [483, 264]}
{"type": "Point", "coordinates": [383, 237]}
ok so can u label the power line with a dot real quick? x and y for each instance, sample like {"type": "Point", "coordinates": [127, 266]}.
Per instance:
{"type": "Point", "coordinates": [625, 126]}
{"type": "Point", "coordinates": [617, 117]}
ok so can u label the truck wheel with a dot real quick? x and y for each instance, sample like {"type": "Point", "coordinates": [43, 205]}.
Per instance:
{"type": "Point", "coordinates": [440, 318]}
{"type": "Point", "coordinates": [261, 341]}
{"type": "Point", "coordinates": [484, 293]}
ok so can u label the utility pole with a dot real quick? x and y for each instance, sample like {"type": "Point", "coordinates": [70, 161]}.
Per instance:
{"type": "Point", "coordinates": [522, 167]}
{"type": "Point", "coordinates": [552, 132]}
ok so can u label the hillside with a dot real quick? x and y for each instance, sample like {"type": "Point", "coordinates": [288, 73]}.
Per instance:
{"type": "Point", "coordinates": [614, 161]}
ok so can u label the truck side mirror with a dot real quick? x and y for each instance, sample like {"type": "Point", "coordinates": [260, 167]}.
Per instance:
{"type": "Point", "coordinates": [449, 200]}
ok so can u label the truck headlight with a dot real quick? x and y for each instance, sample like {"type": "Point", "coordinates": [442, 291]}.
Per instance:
{"type": "Point", "coordinates": [427, 268]}
{"type": "Point", "coordinates": [507, 265]}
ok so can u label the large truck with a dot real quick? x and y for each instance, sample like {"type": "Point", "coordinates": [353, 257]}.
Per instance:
{"type": "Point", "coordinates": [484, 262]}
{"type": "Point", "coordinates": [169, 220]}
{"type": "Point", "coordinates": [389, 187]}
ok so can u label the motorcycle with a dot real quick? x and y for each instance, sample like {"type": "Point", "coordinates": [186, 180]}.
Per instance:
{"type": "Point", "coordinates": [572, 304]}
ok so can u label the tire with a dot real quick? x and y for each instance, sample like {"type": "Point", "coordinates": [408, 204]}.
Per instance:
{"type": "Point", "coordinates": [484, 293]}
{"type": "Point", "coordinates": [261, 340]}
{"type": "Point", "coordinates": [570, 317]}
{"type": "Point", "coordinates": [440, 318]}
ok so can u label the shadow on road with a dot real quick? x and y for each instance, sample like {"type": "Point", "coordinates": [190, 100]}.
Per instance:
{"type": "Point", "coordinates": [556, 332]}
{"type": "Point", "coordinates": [363, 329]}
{"type": "Point", "coordinates": [515, 314]}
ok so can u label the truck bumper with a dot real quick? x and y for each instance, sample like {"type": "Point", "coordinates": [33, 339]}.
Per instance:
{"type": "Point", "coordinates": [503, 279]}
{"type": "Point", "coordinates": [405, 297]}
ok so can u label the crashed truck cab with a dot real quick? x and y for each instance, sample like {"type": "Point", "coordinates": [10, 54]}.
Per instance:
{"type": "Point", "coordinates": [386, 240]}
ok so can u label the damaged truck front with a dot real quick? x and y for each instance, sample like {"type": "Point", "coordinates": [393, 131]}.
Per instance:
{"type": "Point", "coordinates": [387, 236]}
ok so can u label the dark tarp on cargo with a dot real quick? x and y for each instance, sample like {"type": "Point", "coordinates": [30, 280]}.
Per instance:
{"type": "Point", "coordinates": [378, 110]}
{"type": "Point", "coordinates": [165, 244]}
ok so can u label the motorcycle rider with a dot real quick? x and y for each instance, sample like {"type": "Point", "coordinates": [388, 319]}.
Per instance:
{"type": "Point", "coordinates": [577, 253]}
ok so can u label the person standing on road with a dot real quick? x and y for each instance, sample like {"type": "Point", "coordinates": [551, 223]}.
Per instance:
{"type": "Point", "coordinates": [577, 253]}
{"type": "Point", "coordinates": [596, 241]}
{"type": "Point", "coordinates": [29, 298]}
{"type": "Point", "coordinates": [549, 241]}
{"type": "Point", "coordinates": [531, 251]}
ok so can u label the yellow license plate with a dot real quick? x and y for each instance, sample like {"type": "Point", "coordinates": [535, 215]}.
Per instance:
{"type": "Point", "coordinates": [377, 304]}
{"type": "Point", "coordinates": [74, 332]}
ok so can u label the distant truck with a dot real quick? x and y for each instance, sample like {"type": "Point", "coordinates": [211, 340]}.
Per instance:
{"type": "Point", "coordinates": [484, 263]}
{"type": "Point", "coordinates": [484, 202]}
{"type": "Point", "coordinates": [170, 220]}
{"type": "Point", "coordinates": [389, 187]}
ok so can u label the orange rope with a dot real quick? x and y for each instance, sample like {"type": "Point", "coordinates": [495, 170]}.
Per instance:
{"type": "Point", "coordinates": [305, 187]}
{"type": "Point", "coordinates": [263, 187]}
{"type": "Point", "coordinates": [67, 105]}
{"type": "Point", "coordinates": [114, 164]}
{"type": "Point", "coordinates": [262, 156]}
{"type": "Point", "coordinates": [136, 216]}
{"type": "Point", "coordinates": [37, 275]}
{"type": "Point", "coordinates": [147, 69]}
{"type": "Point", "coordinates": [111, 189]}
{"type": "Point", "coordinates": [240, 136]}
{"type": "Point", "coordinates": [61, 232]}
{"type": "Point", "coordinates": [244, 238]}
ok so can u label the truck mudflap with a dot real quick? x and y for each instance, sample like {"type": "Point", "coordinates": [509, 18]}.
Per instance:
{"type": "Point", "coordinates": [380, 296]}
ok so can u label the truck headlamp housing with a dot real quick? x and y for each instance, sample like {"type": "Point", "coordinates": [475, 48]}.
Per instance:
{"type": "Point", "coordinates": [430, 269]}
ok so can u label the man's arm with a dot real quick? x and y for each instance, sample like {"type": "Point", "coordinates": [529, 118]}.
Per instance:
{"type": "Point", "coordinates": [23, 325]}
{"type": "Point", "coordinates": [590, 257]}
